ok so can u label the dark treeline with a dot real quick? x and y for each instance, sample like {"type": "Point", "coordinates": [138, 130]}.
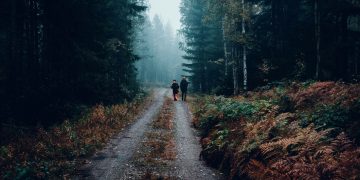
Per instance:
{"type": "Point", "coordinates": [57, 56]}
{"type": "Point", "coordinates": [233, 45]}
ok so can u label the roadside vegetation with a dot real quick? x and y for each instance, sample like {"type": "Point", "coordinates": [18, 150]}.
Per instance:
{"type": "Point", "coordinates": [283, 131]}
{"type": "Point", "coordinates": [57, 151]}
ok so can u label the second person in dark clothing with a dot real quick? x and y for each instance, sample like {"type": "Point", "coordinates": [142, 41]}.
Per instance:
{"type": "Point", "coordinates": [175, 88]}
{"type": "Point", "coordinates": [184, 86]}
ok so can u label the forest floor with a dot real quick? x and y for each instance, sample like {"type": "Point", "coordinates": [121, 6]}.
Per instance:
{"type": "Point", "coordinates": [161, 144]}
{"type": "Point", "coordinates": [290, 130]}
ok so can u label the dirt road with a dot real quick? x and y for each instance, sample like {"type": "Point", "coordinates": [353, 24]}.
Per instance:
{"type": "Point", "coordinates": [188, 148]}
{"type": "Point", "coordinates": [127, 155]}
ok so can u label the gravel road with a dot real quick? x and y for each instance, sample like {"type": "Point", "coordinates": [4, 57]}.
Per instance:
{"type": "Point", "coordinates": [112, 160]}
{"type": "Point", "coordinates": [116, 161]}
{"type": "Point", "coordinates": [187, 162]}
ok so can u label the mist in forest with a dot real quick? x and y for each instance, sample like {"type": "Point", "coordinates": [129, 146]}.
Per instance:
{"type": "Point", "coordinates": [157, 45]}
{"type": "Point", "coordinates": [161, 59]}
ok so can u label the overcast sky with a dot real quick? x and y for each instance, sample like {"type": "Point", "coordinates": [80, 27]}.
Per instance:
{"type": "Point", "coordinates": [168, 10]}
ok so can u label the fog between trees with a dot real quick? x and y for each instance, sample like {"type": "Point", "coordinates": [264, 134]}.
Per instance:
{"type": "Point", "coordinates": [157, 46]}
{"type": "Point", "coordinates": [57, 58]}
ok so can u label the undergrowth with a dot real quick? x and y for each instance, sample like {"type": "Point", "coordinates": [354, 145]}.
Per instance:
{"type": "Point", "coordinates": [55, 153]}
{"type": "Point", "coordinates": [293, 131]}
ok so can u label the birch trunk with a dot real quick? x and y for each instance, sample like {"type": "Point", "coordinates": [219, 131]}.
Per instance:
{"type": "Point", "coordinates": [244, 49]}
{"type": "Point", "coordinates": [235, 70]}
{"type": "Point", "coordinates": [225, 46]}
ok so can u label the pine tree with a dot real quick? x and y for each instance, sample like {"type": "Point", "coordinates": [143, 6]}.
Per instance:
{"type": "Point", "coordinates": [202, 45]}
{"type": "Point", "coordinates": [58, 55]}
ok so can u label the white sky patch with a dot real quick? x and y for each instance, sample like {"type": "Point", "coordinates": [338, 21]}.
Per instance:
{"type": "Point", "coordinates": [168, 10]}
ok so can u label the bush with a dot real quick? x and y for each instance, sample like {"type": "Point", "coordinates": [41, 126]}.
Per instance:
{"type": "Point", "coordinates": [209, 119]}
{"type": "Point", "coordinates": [330, 116]}
{"type": "Point", "coordinates": [214, 110]}
{"type": "Point", "coordinates": [286, 104]}
{"type": "Point", "coordinates": [234, 109]}
{"type": "Point", "coordinates": [285, 132]}
{"type": "Point", "coordinates": [335, 117]}
{"type": "Point", "coordinates": [53, 153]}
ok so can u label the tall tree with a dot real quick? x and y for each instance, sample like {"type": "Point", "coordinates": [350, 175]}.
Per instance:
{"type": "Point", "coordinates": [203, 45]}
{"type": "Point", "coordinates": [54, 62]}
{"type": "Point", "coordinates": [317, 36]}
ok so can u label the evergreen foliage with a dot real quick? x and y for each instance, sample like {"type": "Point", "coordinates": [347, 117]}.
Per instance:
{"type": "Point", "coordinates": [264, 41]}
{"type": "Point", "coordinates": [58, 55]}
{"type": "Point", "coordinates": [202, 45]}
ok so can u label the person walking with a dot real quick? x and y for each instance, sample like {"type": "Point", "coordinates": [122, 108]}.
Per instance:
{"type": "Point", "coordinates": [175, 88]}
{"type": "Point", "coordinates": [184, 86]}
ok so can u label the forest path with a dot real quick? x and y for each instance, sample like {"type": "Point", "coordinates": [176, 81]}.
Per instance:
{"type": "Point", "coordinates": [110, 162]}
{"type": "Point", "coordinates": [131, 154]}
{"type": "Point", "coordinates": [188, 148]}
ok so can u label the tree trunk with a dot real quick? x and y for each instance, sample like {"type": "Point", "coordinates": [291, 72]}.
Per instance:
{"type": "Point", "coordinates": [39, 32]}
{"type": "Point", "coordinates": [245, 68]}
{"type": "Point", "coordinates": [244, 49]}
{"type": "Point", "coordinates": [13, 31]}
{"type": "Point", "coordinates": [273, 29]}
{"type": "Point", "coordinates": [235, 70]}
{"type": "Point", "coordinates": [317, 38]}
{"type": "Point", "coordinates": [225, 47]}
{"type": "Point", "coordinates": [357, 49]}
{"type": "Point", "coordinates": [344, 58]}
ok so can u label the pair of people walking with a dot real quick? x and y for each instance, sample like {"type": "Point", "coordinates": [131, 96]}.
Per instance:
{"type": "Point", "coordinates": [183, 87]}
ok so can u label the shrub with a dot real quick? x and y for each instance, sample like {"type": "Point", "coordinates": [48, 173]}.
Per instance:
{"type": "Point", "coordinates": [286, 104]}
{"type": "Point", "coordinates": [53, 153]}
{"type": "Point", "coordinates": [213, 110]}
{"type": "Point", "coordinates": [234, 109]}
{"type": "Point", "coordinates": [330, 116]}
{"type": "Point", "coordinates": [327, 93]}
{"type": "Point", "coordinates": [335, 117]}
{"type": "Point", "coordinates": [303, 131]}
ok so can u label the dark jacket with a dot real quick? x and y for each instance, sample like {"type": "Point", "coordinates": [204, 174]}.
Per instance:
{"type": "Point", "coordinates": [184, 85]}
{"type": "Point", "coordinates": [175, 87]}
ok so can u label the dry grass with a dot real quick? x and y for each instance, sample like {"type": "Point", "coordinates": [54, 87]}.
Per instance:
{"type": "Point", "coordinates": [159, 146]}
{"type": "Point", "coordinates": [162, 147]}
{"type": "Point", "coordinates": [55, 152]}
{"type": "Point", "coordinates": [161, 139]}
{"type": "Point", "coordinates": [165, 117]}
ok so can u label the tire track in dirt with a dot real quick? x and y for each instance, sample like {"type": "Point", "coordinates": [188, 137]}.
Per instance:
{"type": "Point", "coordinates": [155, 157]}
{"type": "Point", "coordinates": [113, 159]}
